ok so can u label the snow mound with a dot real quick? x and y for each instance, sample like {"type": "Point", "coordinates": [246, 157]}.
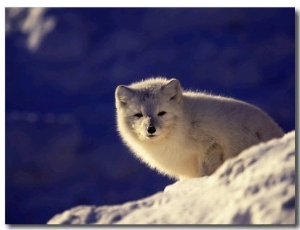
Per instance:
{"type": "Point", "coordinates": [256, 187]}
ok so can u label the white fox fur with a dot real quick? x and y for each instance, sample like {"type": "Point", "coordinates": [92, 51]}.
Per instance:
{"type": "Point", "coordinates": [186, 134]}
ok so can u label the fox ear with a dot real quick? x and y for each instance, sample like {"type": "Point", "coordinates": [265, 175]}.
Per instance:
{"type": "Point", "coordinates": [123, 94]}
{"type": "Point", "coordinates": [173, 90]}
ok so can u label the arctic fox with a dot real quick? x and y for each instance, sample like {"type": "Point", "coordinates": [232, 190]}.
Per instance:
{"type": "Point", "coordinates": [185, 134]}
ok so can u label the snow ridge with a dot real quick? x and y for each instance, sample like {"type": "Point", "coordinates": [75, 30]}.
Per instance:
{"type": "Point", "coordinates": [256, 187]}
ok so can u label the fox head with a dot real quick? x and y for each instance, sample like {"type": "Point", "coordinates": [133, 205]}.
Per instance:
{"type": "Point", "coordinates": [149, 109]}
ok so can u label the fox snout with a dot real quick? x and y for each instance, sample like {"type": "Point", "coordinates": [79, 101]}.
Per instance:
{"type": "Point", "coordinates": [150, 126]}
{"type": "Point", "coordinates": [151, 129]}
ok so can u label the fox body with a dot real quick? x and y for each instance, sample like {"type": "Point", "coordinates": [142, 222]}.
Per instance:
{"type": "Point", "coordinates": [186, 134]}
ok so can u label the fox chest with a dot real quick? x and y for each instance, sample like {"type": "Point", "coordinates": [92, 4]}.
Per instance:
{"type": "Point", "coordinates": [173, 159]}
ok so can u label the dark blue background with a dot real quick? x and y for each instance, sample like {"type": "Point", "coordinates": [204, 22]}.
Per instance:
{"type": "Point", "coordinates": [62, 148]}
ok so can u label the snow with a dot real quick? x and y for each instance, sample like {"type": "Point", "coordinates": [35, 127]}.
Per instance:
{"type": "Point", "coordinates": [256, 187]}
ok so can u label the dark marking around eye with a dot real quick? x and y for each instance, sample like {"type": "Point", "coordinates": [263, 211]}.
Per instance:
{"type": "Point", "coordinates": [138, 115]}
{"type": "Point", "coordinates": [172, 98]}
{"type": "Point", "coordinates": [161, 113]}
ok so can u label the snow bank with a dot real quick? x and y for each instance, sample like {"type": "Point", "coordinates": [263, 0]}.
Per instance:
{"type": "Point", "coordinates": [257, 187]}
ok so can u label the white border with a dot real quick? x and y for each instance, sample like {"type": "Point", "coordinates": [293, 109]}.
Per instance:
{"type": "Point", "coordinates": [116, 3]}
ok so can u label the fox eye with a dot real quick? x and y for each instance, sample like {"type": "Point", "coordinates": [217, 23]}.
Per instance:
{"type": "Point", "coordinates": [161, 113]}
{"type": "Point", "coordinates": [138, 115]}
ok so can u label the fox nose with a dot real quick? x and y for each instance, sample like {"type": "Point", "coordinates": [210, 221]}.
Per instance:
{"type": "Point", "coordinates": [151, 129]}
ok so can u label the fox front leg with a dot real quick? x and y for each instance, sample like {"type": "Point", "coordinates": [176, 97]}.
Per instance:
{"type": "Point", "coordinates": [213, 159]}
